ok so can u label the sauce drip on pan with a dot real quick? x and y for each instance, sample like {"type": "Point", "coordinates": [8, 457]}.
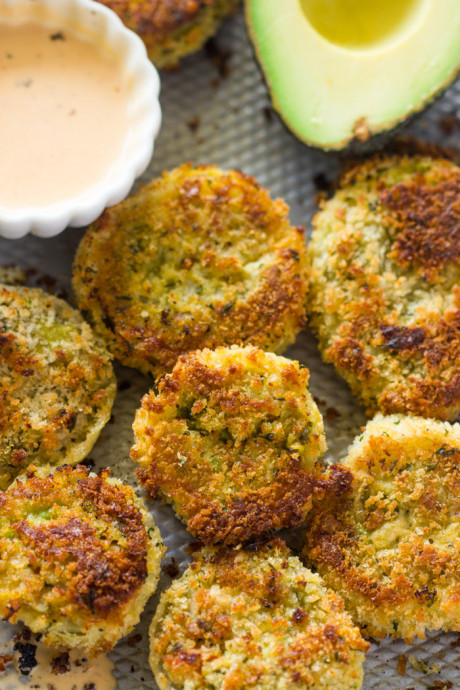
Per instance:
{"type": "Point", "coordinates": [43, 668]}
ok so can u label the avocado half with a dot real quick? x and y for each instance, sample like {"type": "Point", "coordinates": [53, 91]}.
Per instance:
{"type": "Point", "coordinates": [344, 70]}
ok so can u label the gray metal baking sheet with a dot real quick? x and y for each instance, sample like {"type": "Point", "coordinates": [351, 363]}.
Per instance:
{"type": "Point", "coordinates": [216, 110]}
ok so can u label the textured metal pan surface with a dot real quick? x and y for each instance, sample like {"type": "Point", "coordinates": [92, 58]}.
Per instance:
{"type": "Point", "coordinates": [216, 110]}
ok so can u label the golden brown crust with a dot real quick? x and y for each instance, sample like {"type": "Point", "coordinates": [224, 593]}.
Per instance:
{"type": "Point", "coordinates": [283, 504]}
{"type": "Point", "coordinates": [80, 542]}
{"type": "Point", "coordinates": [157, 18]}
{"type": "Point", "coordinates": [231, 440]}
{"type": "Point", "coordinates": [352, 357]}
{"type": "Point", "coordinates": [425, 221]}
{"type": "Point", "coordinates": [96, 579]}
{"type": "Point", "coordinates": [172, 28]}
{"type": "Point", "coordinates": [56, 382]}
{"type": "Point", "coordinates": [253, 618]}
{"type": "Point", "coordinates": [198, 258]}
{"type": "Point", "coordinates": [389, 542]}
{"type": "Point", "coordinates": [385, 275]}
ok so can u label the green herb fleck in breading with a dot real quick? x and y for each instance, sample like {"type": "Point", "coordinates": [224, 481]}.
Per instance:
{"type": "Point", "coordinates": [232, 440]}
{"type": "Point", "coordinates": [172, 29]}
{"type": "Point", "coordinates": [57, 384]}
{"type": "Point", "coordinates": [79, 557]}
{"type": "Point", "coordinates": [388, 538]}
{"type": "Point", "coordinates": [197, 258]}
{"type": "Point", "coordinates": [253, 618]}
{"type": "Point", "coordinates": [385, 284]}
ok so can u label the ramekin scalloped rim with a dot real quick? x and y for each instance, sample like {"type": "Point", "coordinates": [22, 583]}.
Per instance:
{"type": "Point", "coordinates": [144, 116]}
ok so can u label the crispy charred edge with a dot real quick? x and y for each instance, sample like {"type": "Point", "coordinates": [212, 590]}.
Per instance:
{"type": "Point", "coordinates": [332, 543]}
{"type": "Point", "coordinates": [425, 218]}
{"type": "Point", "coordinates": [350, 355]}
{"type": "Point", "coordinates": [282, 505]}
{"type": "Point", "coordinates": [406, 145]}
{"type": "Point", "coordinates": [426, 221]}
{"type": "Point", "coordinates": [158, 19]}
{"type": "Point", "coordinates": [277, 305]}
{"type": "Point", "coordinates": [338, 482]}
{"type": "Point", "coordinates": [102, 581]}
{"type": "Point", "coordinates": [427, 398]}
{"type": "Point", "coordinates": [334, 546]}
{"type": "Point", "coordinates": [437, 394]}
{"type": "Point", "coordinates": [172, 29]}
{"type": "Point", "coordinates": [434, 392]}
{"type": "Point", "coordinates": [402, 337]}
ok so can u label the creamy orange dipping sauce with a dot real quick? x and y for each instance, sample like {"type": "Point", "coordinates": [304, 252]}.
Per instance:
{"type": "Point", "coordinates": [63, 114]}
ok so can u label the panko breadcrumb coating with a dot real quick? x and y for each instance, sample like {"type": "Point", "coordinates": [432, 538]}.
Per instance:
{"type": "Point", "coordinates": [231, 440]}
{"type": "Point", "coordinates": [57, 384]}
{"type": "Point", "coordinates": [79, 557]}
{"type": "Point", "coordinates": [197, 258]}
{"type": "Point", "coordinates": [389, 540]}
{"type": "Point", "coordinates": [385, 284]}
{"type": "Point", "coordinates": [12, 275]}
{"type": "Point", "coordinates": [172, 29]}
{"type": "Point", "coordinates": [253, 618]}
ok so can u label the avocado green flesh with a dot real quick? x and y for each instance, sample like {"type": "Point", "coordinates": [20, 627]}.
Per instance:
{"type": "Point", "coordinates": [332, 85]}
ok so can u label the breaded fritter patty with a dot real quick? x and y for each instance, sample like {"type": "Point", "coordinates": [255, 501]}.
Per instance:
{"type": "Point", "coordinates": [197, 258]}
{"type": "Point", "coordinates": [385, 284]}
{"type": "Point", "coordinates": [231, 440]}
{"type": "Point", "coordinates": [389, 540]}
{"type": "Point", "coordinates": [79, 557]}
{"type": "Point", "coordinates": [57, 384]}
{"type": "Point", "coordinates": [253, 618]}
{"type": "Point", "coordinates": [172, 29]}
{"type": "Point", "coordinates": [12, 275]}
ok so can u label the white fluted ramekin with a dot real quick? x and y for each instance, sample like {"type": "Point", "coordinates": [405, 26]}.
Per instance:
{"type": "Point", "coordinates": [144, 114]}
